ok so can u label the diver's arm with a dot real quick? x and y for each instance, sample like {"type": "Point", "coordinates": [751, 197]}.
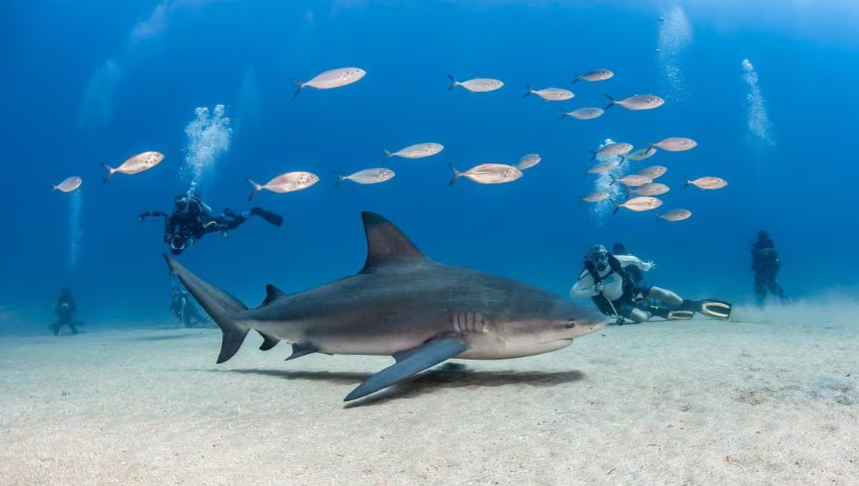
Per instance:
{"type": "Point", "coordinates": [626, 260]}
{"type": "Point", "coordinates": [584, 287]}
{"type": "Point", "coordinates": [147, 214]}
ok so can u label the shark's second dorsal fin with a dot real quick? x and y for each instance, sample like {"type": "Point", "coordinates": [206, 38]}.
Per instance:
{"type": "Point", "coordinates": [272, 293]}
{"type": "Point", "coordinates": [386, 244]}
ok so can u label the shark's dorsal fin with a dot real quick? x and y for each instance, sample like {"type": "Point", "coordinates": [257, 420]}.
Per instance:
{"type": "Point", "coordinates": [386, 244]}
{"type": "Point", "coordinates": [272, 293]}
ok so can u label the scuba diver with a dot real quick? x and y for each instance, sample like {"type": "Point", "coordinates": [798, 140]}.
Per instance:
{"type": "Point", "coordinates": [65, 308]}
{"type": "Point", "coordinates": [606, 280]}
{"type": "Point", "coordinates": [765, 265]}
{"type": "Point", "coordinates": [182, 307]}
{"type": "Point", "coordinates": [632, 270]}
{"type": "Point", "coordinates": [192, 218]}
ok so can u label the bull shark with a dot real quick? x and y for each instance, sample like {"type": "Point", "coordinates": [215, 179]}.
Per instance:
{"type": "Point", "coordinates": [401, 304]}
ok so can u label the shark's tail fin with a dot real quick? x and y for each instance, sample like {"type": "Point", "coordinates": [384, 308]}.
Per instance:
{"type": "Point", "coordinates": [221, 306]}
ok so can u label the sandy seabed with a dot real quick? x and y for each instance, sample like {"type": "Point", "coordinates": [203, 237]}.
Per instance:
{"type": "Point", "coordinates": [682, 403]}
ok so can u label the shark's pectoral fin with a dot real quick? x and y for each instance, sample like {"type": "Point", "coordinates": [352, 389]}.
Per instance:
{"type": "Point", "coordinates": [301, 349]}
{"type": "Point", "coordinates": [268, 341]}
{"type": "Point", "coordinates": [409, 363]}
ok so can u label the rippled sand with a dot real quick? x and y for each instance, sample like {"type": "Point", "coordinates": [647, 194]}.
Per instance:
{"type": "Point", "coordinates": [773, 401]}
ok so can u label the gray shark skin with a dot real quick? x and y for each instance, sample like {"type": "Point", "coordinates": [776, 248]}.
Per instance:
{"type": "Point", "coordinates": [404, 305]}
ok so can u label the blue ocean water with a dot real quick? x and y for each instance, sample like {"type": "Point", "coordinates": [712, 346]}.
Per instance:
{"type": "Point", "coordinates": [86, 83]}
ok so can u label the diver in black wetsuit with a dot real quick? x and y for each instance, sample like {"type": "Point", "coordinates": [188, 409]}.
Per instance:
{"type": "Point", "coordinates": [633, 271]}
{"type": "Point", "coordinates": [65, 308]}
{"type": "Point", "coordinates": [183, 308]}
{"type": "Point", "coordinates": [192, 218]}
{"type": "Point", "coordinates": [765, 265]}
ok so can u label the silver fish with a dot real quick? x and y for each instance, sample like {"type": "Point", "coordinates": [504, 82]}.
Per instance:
{"type": "Point", "coordinates": [613, 150]}
{"type": "Point", "coordinates": [583, 113]}
{"type": "Point", "coordinates": [488, 173]}
{"type": "Point", "coordinates": [642, 203]}
{"type": "Point", "coordinates": [653, 172]}
{"type": "Point", "coordinates": [335, 78]}
{"type": "Point", "coordinates": [367, 176]}
{"type": "Point", "coordinates": [642, 154]}
{"type": "Point", "coordinates": [417, 151]}
{"type": "Point", "coordinates": [675, 215]}
{"type": "Point", "coordinates": [601, 167]}
{"type": "Point", "coordinates": [528, 161]}
{"type": "Point", "coordinates": [68, 185]}
{"type": "Point", "coordinates": [675, 144]}
{"type": "Point", "coordinates": [633, 180]}
{"type": "Point", "coordinates": [288, 182]}
{"type": "Point", "coordinates": [708, 183]}
{"type": "Point", "coordinates": [649, 189]}
{"type": "Point", "coordinates": [596, 196]}
{"type": "Point", "coordinates": [550, 94]}
{"type": "Point", "coordinates": [400, 304]}
{"type": "Point", "coordinates": [637, 102]}
{"type": "Point", "coordinates": [476, 85]}
{"type": "Point", "coordinates": [593, 76]}
{"type": "Point", "coordinates": [135, 164]}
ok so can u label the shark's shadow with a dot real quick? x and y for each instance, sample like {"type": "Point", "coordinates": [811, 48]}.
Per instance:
{"type": "Point", "coordinates": [449, 375]}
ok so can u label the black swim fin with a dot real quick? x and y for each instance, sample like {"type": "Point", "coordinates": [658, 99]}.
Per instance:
{"type": "Point", "coordinates": [270, 217]}
{"type": "Point", "coordinates": [710, 307]}
{"type": "Point", "coordinates": [670, 314]}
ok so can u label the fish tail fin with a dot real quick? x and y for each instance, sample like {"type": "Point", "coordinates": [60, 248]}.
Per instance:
{"type": "Point", "coordinates": [657, 218]}
{"type": "Point", "coordinates": [594, 152]}
{"type": "Point", "coordinates": [528, 92]}
{"type": "Point", "coordinates": [388, 153]}
{"type": "Point", "coordinates": [626, 190]}
{"type": "Point", "coordinates": [611, 101]}
{"type": "Point", "coordinates": [297, 90]}
{"type": "Point", "coordinates": [453, 83]}
{"type": "Point", "coordinates": [257, 188]}
{"type": "Point", "coordinates": [616, 206]}
{"type": "Point", "coordinates": [54, 188]}
{"type": "Point", "coordinates": [686, 184]}
{"type": "Point", "coordinates": [221, 306]}
{"type": "Point", "coordinates": [613, 180]}
{"type": "Point", "coordinates": [340, 178]}
{"type": "Point", "coordinates": [110, 171]}
{"type": "Point", "coordinates": [578, 78]}
{"type": "Point", "coordinates": [563, 114]}
{"type": "Point", "coordinates": [456, 174]}
{"type": "Point", "coordinates": [650, 144]}
{"type": "Point", "coordinates": [585, 177]}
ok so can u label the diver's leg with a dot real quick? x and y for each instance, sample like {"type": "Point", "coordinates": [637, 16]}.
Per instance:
{"type": "Point", "coordinates": [667, 297]}
{"type": "Point", "coordinates": [72, 326]}
{"type": "Point", "coordinates": [760, 291]}
{"type": "Point", "coordinates": [776, 289]}
{"type": "Point", "coordinates": [635, 314]}
{"type": "Point", "coordinates": [55, 328]}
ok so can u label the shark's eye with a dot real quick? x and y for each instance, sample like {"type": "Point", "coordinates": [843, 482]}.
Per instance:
{"type": "Point", "coordinates": [571, 324]}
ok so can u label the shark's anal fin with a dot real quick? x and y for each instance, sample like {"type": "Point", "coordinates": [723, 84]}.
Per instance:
{"type": "Point", "coordinates": [386, 244]}
{"type": "Point", "coordinates": [268, 341]}
{"type": "Point", "coordinates": [301, 349]}
{"type": "Point", "coordinates": [409, 363]}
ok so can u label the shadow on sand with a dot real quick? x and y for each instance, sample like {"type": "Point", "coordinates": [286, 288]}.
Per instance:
{"type": "Point", "coordinates": [449, 375]}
